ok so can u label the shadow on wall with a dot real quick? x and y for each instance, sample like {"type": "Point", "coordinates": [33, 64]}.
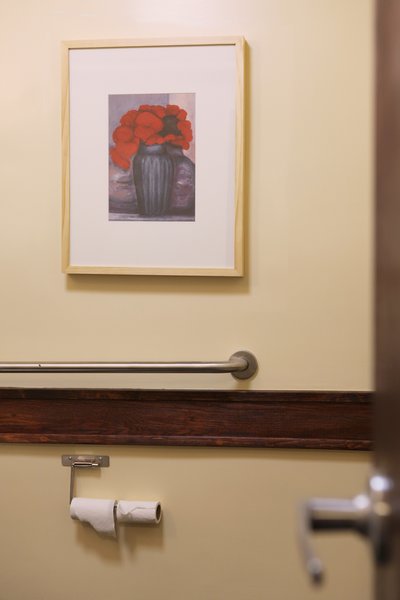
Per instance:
{"type": "Point", "coordinates": [157, 284]}
{"type": "Point", "coordinates": [131, 537]}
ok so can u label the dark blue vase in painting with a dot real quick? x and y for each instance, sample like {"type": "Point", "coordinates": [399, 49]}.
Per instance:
{"type": "Point", "coordinates": [153, 173]}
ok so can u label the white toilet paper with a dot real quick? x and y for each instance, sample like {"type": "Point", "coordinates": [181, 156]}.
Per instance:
{"type": "Point", "coordinates": [135, 511]}
{"type": "Point", "coordinates": [98, 513]}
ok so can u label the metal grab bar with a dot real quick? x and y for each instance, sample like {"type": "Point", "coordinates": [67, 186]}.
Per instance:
{"type": "Point", "coordinates": [241, 365]}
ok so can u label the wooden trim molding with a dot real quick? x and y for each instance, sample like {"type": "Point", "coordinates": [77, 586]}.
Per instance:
{"type": "Point", "coordinates": [323, 420]}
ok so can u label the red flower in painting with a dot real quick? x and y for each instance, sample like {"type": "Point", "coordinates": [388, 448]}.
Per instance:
{"type": "Point", "coordinates": [129, 118]}
{"type": "Point", "coordinates": [122, 134]}
{"type": "Point", "coordinates": [150, 124]}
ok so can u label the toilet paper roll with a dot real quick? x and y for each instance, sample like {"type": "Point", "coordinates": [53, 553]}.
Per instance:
{"type": "Point", "coordinates": [98, 513]}
{"type": "Point", "coordinates": [135, 511]}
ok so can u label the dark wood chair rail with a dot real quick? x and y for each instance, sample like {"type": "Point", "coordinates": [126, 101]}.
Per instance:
{"type": "Point", "coordinates": [324, 420]}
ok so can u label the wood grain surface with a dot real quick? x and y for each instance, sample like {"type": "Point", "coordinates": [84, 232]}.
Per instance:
{"type": "Point", "coordinates": [325, 420]}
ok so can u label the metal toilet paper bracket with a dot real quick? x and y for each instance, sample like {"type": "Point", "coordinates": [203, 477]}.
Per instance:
{"type": "Point", "coordinates": [82, 461]}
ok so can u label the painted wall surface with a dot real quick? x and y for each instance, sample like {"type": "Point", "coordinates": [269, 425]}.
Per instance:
{"type": "Point", "coordinates": [304, 308]}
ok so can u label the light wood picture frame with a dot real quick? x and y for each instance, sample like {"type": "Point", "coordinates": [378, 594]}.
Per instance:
{"type": "Point", "coordinates": [152, 153]}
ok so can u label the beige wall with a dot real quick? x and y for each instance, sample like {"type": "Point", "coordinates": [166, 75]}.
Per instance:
{"type": "Point", "coordinates": [304, 307]}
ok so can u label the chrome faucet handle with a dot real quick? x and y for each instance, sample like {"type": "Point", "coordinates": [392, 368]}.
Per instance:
{"type": "Point", "coordinates": [312, 563]}
{"type": "Point", "coordinates": [328, 514]}
{"type": "Point", "coordinates": [367, 514]}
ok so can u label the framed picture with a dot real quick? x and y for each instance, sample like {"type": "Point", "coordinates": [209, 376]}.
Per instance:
{"type": "Point", "coordinates": [153, 157]}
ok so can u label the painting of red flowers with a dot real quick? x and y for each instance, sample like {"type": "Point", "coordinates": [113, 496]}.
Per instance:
{"type": "Point", "coordinates": [152, 157]}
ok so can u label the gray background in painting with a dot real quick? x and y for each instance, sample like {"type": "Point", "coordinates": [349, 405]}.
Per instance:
{"type": "Point", "coordinates": [119, 104]}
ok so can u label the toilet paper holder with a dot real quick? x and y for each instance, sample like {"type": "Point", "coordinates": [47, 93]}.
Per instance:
{"type": "Point", "coordinates": [82, 461]}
